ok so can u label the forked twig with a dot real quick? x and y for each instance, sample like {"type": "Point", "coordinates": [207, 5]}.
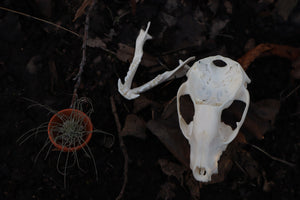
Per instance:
{"type": "Point", "coordinates": [83, 58]}
{"type": "Point", "coordinates": [273, 157]}
{"type": "Point", "coordinates": [122, 146]}
{"type": "Point", "coordinates": [39, 19]}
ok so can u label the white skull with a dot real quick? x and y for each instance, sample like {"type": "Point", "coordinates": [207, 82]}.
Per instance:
{"type": "Point", "coordinates": [211, 89]}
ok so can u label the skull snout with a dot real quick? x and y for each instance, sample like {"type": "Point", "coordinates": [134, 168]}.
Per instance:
{"type": "Point", "coordinates": [202, 174]}
{"type": "Point", "coordinates": [201, 171]}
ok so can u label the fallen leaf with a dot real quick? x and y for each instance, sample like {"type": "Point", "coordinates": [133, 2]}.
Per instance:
{"type": "Point", "coordinates": [284, 51]}
{"type": "Point", "coordinates": [133, 6]}
{"type": "Point", "coordinates": [225, 163]}
{"type": "Point", "coordinates": [228, 6]}
{"type": "Point", "coordinates": [217, 26]}
{"type": "Point", "coordinates": [295, 73]}
{"type": "Point", "coordinates": [179, 172]}
{"type": "Point", "coordinates": [169, 134]}
{"type": "Point", "coordinates": [261, 117]}
{"type": "Point", "coordinates": [134, 126]}
{"type": "Point", "coordinates": [172, 169]}
{"type": "Point", "coordinates": [34, 64]}
{"type": "Point", "coordinates": [248, 164]}
{"type": "Point", "coordinates": [125, 53]}
{"type": "Point", "coordinates": [193, 185]}
{"type": "Point", "coordinates": [267, 109]}
{"type": "Point", "coordinates": [213, 5]}
{"type": "Point", "coordinates": [81, 9]}
{"type": "Point", "coordinates": [285, 7]}
{"type": "Point", "coordinates": [141, 103]}
{"type": "Point", "coordinates": [45, 7]}
{"type": "Point", "coordinates": [167, 191]}
{"type": "Point", "coordinates": [250, 44]}
{"type": "Point", "coordinates": [96, 43]}
{"type": "Point", "coordinates": [168, 19]}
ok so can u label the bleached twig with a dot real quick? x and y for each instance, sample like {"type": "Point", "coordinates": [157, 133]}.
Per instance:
{"type": "Point", "coordinates": [125, 89]}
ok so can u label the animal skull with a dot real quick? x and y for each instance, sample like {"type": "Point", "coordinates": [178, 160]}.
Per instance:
{"type": "Point", "coordinates": [212, 89]}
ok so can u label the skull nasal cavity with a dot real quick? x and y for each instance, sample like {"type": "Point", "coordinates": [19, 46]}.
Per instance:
{"type": "Point", "coordinates": [201, 171]}
{"type": "Point", "coordinates": [187, 110]}
{"type": "Point", "coordinates": [219, 63]}
{"type": "Point", "coordinates": [233, 113]}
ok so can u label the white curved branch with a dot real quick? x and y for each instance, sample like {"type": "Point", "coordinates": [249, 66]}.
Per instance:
{"type": "Point", "coordinates": [125, 89]}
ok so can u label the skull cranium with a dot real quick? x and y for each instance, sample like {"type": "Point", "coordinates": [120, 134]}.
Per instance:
{"type": "Point", "coordinates": [211, 89]}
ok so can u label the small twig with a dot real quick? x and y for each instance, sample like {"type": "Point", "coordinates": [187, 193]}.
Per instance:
{"type": "Point", "coordinates": [83, 58]}
{"type": "Point", "coordinates": [122, 146]}
{"type": "Point", "coordinates": [272, 157]}
{"type": "Point", "coordinates": [293, 91]}
{"type": "Point", "coordinates": [41, 20]}
{"type": "Point", "coordinates": [241, 168]}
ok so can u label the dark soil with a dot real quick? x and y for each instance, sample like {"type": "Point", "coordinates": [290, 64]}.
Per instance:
{"type": "Point", "coordinates": [39, 62]}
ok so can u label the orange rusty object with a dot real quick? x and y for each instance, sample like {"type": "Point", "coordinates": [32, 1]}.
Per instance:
{"type": "Point", "coordinates": [267, 49]}
{"type": "Point", "coordinates": [59, 118]}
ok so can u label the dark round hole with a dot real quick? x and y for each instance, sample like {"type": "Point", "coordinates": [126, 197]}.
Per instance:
{"type": "Point", "coordinates": [219, 63]}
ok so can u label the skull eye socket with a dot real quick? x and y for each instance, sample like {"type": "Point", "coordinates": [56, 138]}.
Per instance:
{"type": "Point", "coordinates": [219, 63]}
{"type": "Point", "coordinates": [187, 109]}
{"type": "Point", "coordinates": [233, 114]}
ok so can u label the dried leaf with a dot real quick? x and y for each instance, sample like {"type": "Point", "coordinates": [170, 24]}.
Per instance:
{"type": "Point", "coordinates": [225, 163]}
{"type": "Point", "coordinates": [228, 6]}
{"type": "Point", "coordinates": [96, 43]}
{"type": "Point", "coordinates": [141, 103]}
{"type": "Point", "coordinates": [285, 7]}
{"type": "Point", "coordinates": [45, 7]}
{"type": "Point", "coordinates": [249, 164]}
{"type": "Point", "coordinates": [125, 53]}
{"type": "Point", "coordinates": [213, 5]}
{"type": "Point", "coordinates": [167, 191]}
{"type": "Point", "coordinates": [295, 73]}
{"type": "Point", "coordinates": [250, 44]}
{"type": "Point", "coordinates": [267, 109]}
{"type": "Point", "coordinates": [134, 126]}
{"type": "Point", "coordinates": [169, 134]}
{"type": "Point", "coordinates": [133, 6]}
{"type": "Point", "coordinates": [284, 51]}
{"type": "Point", "coordinates": [217, 26]}
{"type": "Point", "coordinates": [179, 172]}
{"type": "Point", "coordinates": [34, 64]}
{"type": "Point", "coordinates": [81, 9]}
{"type": "Point", "coordinates": [172, 169]}
{"type": "Point", "coordinates": [259, 119]}
{"type": "Point", "coordinates": [193, 185]}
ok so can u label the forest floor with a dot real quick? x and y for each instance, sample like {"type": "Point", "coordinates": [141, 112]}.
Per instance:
{"type": "Point", "coordinates": [38, 62]}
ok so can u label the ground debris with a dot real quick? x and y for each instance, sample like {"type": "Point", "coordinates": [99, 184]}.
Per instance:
{"type": "Point", "coordinates": [81, 9]}
{"type": "Point", "coordinates": [125, 53]}
{"type": "Point", "coordinates": [134, 126]}
{"type": "Point", "coordinates": [167, 191]}
{"type": "Point", "coordinates": [260, 50]}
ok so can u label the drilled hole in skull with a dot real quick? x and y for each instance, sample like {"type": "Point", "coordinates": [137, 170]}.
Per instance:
{"type": "Point", "coordinates": [219, 63]}
{"type": "Point", "coordinates": [187, 108]}
{"type": "Point", "coordinates": [233, 114]}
